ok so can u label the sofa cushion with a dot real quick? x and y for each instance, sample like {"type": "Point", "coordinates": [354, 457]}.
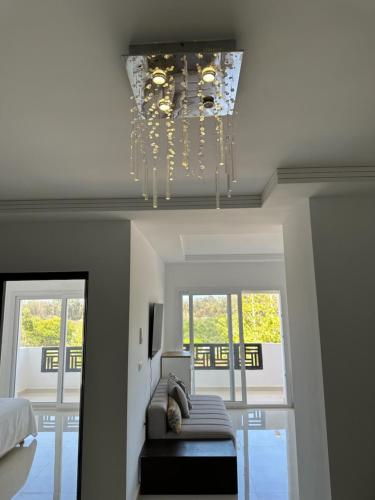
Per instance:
{"type": "Point", "coordinates": [157, 412]}
{"type": "Point", "coordinates": [174, 416]}
{"type": "Point", "coordinates": [178, 381]}
{"type": "Point", "coordinates": [178, 394]}
{"type": "Point", "coordinates": [208, 418]}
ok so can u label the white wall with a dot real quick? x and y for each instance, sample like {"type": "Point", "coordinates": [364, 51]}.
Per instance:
{"type": "Point", "coordinates": [313, 467]}
{"type": "Point", "coordinates": [103, 250]}
{"type": "Point", "coordinates": [343, 232]}
{"type": "Point", "coordinates": [146, 287]}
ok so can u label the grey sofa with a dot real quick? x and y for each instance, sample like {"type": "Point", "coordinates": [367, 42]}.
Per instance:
{"type": "Point", "coordinates": [208, 419]}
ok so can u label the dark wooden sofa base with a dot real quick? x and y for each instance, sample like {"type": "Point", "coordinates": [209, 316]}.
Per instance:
{"type": "Point", "coordinates": [183, 467]}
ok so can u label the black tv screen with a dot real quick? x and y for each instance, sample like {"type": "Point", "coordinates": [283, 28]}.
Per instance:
{"type": "Point", "coordinates": [155, 329]}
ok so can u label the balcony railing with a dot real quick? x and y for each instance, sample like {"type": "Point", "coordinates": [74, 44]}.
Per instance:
{"type": "Point", "coordinates": [217, 356]}
{"type": "Point", "coordinates": [51, 359]}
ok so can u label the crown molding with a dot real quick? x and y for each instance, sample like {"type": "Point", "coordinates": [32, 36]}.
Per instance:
{"type": "Point", "coordinates": [313, 180]}
{"type": "Point", "coordinates": [127, 204]}
{"type": "Point", "coordinates": [282, 176]}
{"type": "Point", "coordinates": [288, 175]}
{"type": "Point", "coordinates": [272, 257]}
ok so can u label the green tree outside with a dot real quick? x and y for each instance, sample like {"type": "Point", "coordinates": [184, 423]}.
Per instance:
{"type": "Point", "coordinates": [260, 311]}
{"type": "Point", "coordinates": [40, 323]}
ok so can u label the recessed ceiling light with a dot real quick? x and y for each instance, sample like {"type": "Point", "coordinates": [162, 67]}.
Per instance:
{"type": "Point", "coordinates": [208, 74]}
{"type": "Point", "coordinates": [159, 76]}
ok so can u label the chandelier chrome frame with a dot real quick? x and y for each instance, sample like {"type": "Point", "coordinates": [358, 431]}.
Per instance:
{"type": "Point", "coordinates": [174, 85]}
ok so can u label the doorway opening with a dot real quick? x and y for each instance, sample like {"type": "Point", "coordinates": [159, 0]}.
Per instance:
{"type": "Point", "coordinates": [42, 341]}
{"type": "Point", "coordinates": [237, 343]}
{"type": "Point", "coordinates": [43, 322]}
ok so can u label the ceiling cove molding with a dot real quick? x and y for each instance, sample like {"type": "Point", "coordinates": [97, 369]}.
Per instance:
{"type": "Point", "coordinates": [282, 176]}
{"type": "Point", "coordinates": [272, 257]}
{"type": "Point", "coordinates": [127, 204]}
{"type": "Point", "coordinates": [288, 175]}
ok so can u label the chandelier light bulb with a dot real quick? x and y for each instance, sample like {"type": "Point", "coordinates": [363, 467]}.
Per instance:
{"type": "Point", "coordinates": [208, 74]}
{"type": "Point", "coordinates": [159, 76]}
{"type": "Point", "coordinates": [165, 105]}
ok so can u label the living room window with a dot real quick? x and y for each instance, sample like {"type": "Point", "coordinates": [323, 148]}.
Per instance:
{"type": "Point", "coordinates": [237, 345]}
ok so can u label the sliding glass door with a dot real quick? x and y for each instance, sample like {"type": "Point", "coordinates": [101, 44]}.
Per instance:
{"type": "Point", "coordinates": [48, 349]}
{"type": "Point", "coordinates": [236, 341]}
{"type": "Point", "coordinates": [211, 332]}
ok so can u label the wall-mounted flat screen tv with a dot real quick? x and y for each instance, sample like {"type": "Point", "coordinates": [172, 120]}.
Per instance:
{"type": "Point", "coordinates": [155, 329]}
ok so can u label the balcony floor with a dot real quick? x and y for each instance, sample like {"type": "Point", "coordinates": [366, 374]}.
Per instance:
{"type": "Point", "coordinates": [256, 396]}
{"type": "Point", "coordinates": [49, 395]}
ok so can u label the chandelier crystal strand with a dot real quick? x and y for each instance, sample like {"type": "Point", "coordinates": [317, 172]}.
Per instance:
{"type": "Point", "coordinates": [202, 129]}
{"type": "Point", "coordinates": [185, 121]}
{"type": "Point", "coordinates": [227, 145]}
{"type": "Point", "coordinates": [169, 86]}
{"type": "Point", "coordinates": [217, 187]}
{"type": "Point", "coordinates": [154, 142]}
{"type": "Point", "coordinates": [220, 130]}
{"type": "Point", "coordinates": [154, 188]}
{"type": "Point", "coordinates": [232, 144]}
{"type": "Point", "coordinates": [133, 110]}
{"type": "Point", "coordinates": [228, 158]}
{"type": "Point", "coordinates": [144, 161]}
{"type": "Point", "coordinates": [168, 162]}
{"type": "Point", "coordinates": [170, 130]}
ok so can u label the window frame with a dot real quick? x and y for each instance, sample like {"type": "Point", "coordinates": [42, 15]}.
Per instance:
{"type": "Point", "coordinates": [284, 332]}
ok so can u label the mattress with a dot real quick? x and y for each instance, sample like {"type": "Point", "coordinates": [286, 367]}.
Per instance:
{"type": "Point", "coordinates": [17, 421]}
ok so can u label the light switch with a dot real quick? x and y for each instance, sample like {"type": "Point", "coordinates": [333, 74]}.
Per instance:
{"type": "Point", "coordinates": [140, 336]}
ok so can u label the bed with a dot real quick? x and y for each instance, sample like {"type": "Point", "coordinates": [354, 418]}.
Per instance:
{"type": "Point", "coordinates": [17, 421]}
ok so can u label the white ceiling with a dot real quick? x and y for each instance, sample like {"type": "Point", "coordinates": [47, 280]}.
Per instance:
{"type": "Point", "coordinates": [237, 234]}
{"type": "Point", "coordinates": [259, 240]}
{"type": "Point", "coordinates": [306, 93]}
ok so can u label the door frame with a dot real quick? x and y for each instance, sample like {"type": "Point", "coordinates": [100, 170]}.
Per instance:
{"type": "Point", "coordinates": [75, 275]}
{"type": "Point", "coordinates": [284, 331]}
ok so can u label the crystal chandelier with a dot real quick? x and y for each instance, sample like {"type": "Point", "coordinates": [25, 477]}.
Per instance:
{"type": "Point", "coordinates": [182, 114]}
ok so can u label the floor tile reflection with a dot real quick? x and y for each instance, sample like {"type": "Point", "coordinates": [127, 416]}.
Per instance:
{"type": "Point", "coordinates": [46, 466]}
{"type": "Point", "coordinates": [266, 454]}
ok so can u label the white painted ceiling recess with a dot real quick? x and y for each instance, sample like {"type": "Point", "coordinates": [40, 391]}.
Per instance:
{"type": "Point", "coordinates": [306, 94]}
{"type": "Point", "coordinates": [258, 241]}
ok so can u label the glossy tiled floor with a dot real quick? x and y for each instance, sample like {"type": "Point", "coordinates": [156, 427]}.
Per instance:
{"type": "Point", "coordinates": [267, 466]}
{"type": "Point", "coordinates": [46, 467]}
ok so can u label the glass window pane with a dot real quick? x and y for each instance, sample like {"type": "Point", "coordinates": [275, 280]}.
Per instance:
{"type": "Point", "coordinates": [38, 350]}
{"type": "Point", "coordinates": [211, 345]}
{"type": "Point", "coordinates": [185, 321]}
{"type": "Point", "coordinates": [73, 351]}
{"type": "Point", "coordinates": [265, 370]}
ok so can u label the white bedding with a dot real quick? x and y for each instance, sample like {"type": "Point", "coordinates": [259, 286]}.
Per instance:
{"type": "Point", "coordinates": [17, 421]}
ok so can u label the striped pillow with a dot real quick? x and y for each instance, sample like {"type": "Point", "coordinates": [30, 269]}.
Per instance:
{"type": "Point", "coordinates": [174, 416]}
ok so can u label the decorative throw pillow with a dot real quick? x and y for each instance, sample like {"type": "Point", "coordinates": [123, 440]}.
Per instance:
{"type": "Point", "coordinates": [175, 391]}
{"type": "Point", "coordinates": [172, 376]}
{"type": "Point", "coordinates": [174, 416]}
